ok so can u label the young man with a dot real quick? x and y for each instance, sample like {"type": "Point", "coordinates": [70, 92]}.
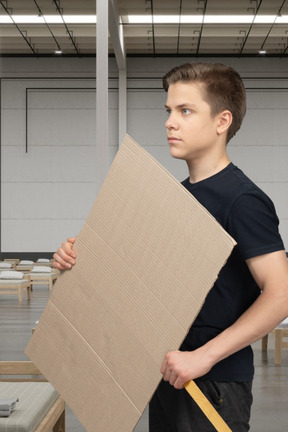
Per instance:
{"type": "Point", "coordinates": [206, 104]}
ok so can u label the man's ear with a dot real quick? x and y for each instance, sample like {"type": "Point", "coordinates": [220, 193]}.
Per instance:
{"type": "Point", "coordinates": [224, 121]}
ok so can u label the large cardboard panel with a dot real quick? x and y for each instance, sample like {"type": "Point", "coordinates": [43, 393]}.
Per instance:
{"type": "Point", "coordinates": [148, 255]}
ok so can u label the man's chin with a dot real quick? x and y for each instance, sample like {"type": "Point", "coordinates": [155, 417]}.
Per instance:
{"type": "Point", "coordinates": [176, 155]}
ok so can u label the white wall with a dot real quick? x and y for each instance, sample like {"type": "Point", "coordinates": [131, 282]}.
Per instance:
{"type": "Point", "coordinates": [46, 193]}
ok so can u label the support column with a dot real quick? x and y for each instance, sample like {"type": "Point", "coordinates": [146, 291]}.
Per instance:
{"type": "Point", "coordinates": [102, 91]}
{"type": "Point", "coordinates": [122, 110]}
{"type": "Point", "coordinates": [117, 39]}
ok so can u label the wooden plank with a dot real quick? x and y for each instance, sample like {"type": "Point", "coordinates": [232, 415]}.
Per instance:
{"type": "Point", "coordinates": [18, 368]}
{"type": "Point", "coordinates": [206, 407]}
{"type": "Point", "coordinates": [53, 416]}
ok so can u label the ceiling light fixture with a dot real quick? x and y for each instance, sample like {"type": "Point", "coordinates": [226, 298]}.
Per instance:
{"type": "Point", "coordinates": [207, 19]}
{"type": "Point", "coordinates": [147, 19]}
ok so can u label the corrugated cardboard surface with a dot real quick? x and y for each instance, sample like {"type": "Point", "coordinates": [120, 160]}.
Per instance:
{"type": "Point", "coordinates": [148, 255]}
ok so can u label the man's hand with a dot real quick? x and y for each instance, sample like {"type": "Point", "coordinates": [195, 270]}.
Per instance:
{"type": "Point", "coordinates": [180, 367]}
{"type": "Point", "coordinates": [65, 256]}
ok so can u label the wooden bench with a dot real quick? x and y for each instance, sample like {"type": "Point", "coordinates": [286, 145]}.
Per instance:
{"type": "Point", "coordinates": [12, 286]}
{"type": "Point", "coordinates": [280, 334]}
{"type": "Point", "coordinates": [40, 408]}
{"type": "Point", "coordinates": [44, 278]}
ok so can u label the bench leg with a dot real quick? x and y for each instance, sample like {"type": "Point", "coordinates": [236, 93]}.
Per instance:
{"type": "Point", "coordinates": [20, 294]}
{"type": "Point", "coordinates": [29, 292]}
{"type": "Point", "coordinates": [264, 343]}
{"type": "Point", "coordinates": [60, 425]}
{"type": "Point", "coordinates": [278, 347]}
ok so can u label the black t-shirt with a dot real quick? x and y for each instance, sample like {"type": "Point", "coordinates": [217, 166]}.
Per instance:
{"type": "Point", "coordinates": [249, 216]}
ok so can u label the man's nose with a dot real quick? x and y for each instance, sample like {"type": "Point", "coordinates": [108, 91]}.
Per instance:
{"type": "Point", "coordinates": [171, 122]}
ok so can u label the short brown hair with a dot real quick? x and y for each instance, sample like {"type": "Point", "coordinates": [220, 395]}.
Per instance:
{"type": "Point", "coordinates": [223, 88]}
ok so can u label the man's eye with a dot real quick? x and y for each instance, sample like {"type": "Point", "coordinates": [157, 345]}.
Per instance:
{"type": "Point", "coordinates": [168, 112]}
{"type": "Point", "coordinates": [186, 111]}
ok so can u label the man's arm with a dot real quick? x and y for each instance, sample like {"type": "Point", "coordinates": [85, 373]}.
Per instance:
{"type": "Point", "coordinates": [270, 272]}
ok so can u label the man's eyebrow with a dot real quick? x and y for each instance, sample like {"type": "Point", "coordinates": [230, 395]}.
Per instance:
{"type": "Point", "coordinates": [184, 105]}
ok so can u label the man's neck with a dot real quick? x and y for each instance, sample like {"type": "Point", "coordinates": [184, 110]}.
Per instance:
{"type": "Point", "coordinates": [202, 169]}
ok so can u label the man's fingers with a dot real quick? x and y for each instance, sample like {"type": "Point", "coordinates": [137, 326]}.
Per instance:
{"type": "Point", "coordinates": [64, 257]}
{"type": "Point", "coordinates": [163, 367]}
{"type": "Point", "coordinates": [167, 372]}
{"type": "Point", "coordinates": [71, 241]}
{"type": "Point", "coordinates": [59, 266]}
{"type": "Point", "coordinates": [66, 253]}
{"type": "Point", "coordinates": [171, 372]}
{"type": "Point", "coordinates": [179, 383]}
{"type": "Point", "coordinates": [173, 378]}
{"type": "Point", "coordinates": [60, 263]}
{"type": "Point", "coordinates": [66, 248]}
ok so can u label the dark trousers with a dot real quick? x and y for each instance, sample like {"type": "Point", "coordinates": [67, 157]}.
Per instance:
{"type": "Point", "coordinates": [173, 410]}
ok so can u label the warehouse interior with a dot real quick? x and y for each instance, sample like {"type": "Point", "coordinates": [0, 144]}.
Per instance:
{"type": "Point", "coordinates": [75, 77]}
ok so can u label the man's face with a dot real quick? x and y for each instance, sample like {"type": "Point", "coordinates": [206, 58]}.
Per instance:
{"type": "Point", "coordinates": [191, 131]}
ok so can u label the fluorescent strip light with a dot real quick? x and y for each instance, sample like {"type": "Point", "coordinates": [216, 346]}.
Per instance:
{"type": "Point", "coordinates": [53, 19]}
{"type": "Point", "coordinates": [147, 19]}
{"type": "Point", "coordinates": [139, 19]}
{"type": "Point", "coordinates": [164, 19]}
{"type": "Point", "coordinates": [228, 19]}
{"type": "Point", "coordinates": [22, 19]}
{"type": "Point", "coordinates": [191, 19]}
{"type": "Point", "coordinates": [175, 19]}
{"type": "Point", "coordinates": [79, 19]}
{"type": "Point", "coordinates": [265, 19]}
{"type": "Point", "coordinates": [208, 19]}
{"type": "Point", "coordinates": [50, 19]}
{"type": "Point", "coordinates": [282, 19]}
{"type": "Point", "coordinates": [5, 19]}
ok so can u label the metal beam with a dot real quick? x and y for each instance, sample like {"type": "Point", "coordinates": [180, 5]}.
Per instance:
{"type": "Point", "coordinates": [18, 28]}
{"type": "Point", "coordinates": [179, 26]}
{"type": "Point", "coordinates": [116, 34]}
{"type": "Point", "coordinates": [153, 28]}
{"type": "Point", "coordinates": [250, 28]}
{"type": "Point", "coordinates": [202, 26]}
{"type": "Point", "coordinates": [69, 32]}
{"type": "Point", "coordinates": [47, 25]}
{"type": "Point", "coordinates": [268, 34]}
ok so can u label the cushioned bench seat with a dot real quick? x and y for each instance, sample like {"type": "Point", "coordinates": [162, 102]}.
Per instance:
{"type": "Point", "coordinates": [35, 400]}
{"type": "Point", "coordinates": [40, 408]}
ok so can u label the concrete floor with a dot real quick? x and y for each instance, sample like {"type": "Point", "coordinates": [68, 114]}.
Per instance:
{"type": "Point", "coordinates": [270, 407]}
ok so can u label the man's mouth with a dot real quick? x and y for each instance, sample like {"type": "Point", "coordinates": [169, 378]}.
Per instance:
{"type": "Point", "coordinates": [172, 139]}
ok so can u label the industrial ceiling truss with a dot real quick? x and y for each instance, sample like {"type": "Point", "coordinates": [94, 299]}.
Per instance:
{"type": "Point", "coordinates": [150, 27]}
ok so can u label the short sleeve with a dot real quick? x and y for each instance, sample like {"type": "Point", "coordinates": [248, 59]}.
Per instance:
{"type": "Point", "coordinates": [254, 224]}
